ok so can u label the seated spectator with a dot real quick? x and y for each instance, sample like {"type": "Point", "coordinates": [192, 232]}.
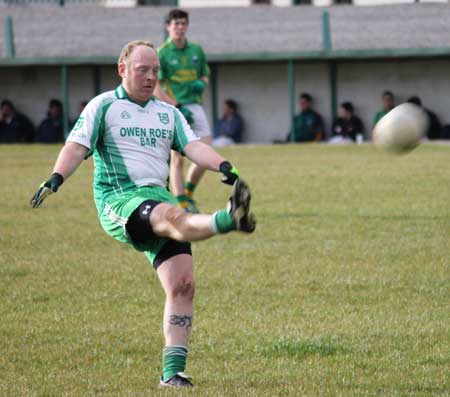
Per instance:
{"type": "Point", "coordinates": [51, 128]}
{"type": "Point", "coordinates": [347, 126]}
{"type": "Point", "coordinates": [434, 125]}
{"type": "Point", "coordinates": [388, 104]}
{"type": "Point", "coordinates": [230, 126]}
{"type": "Point", "coordinates": [308, 125]}
{"type": "Point", "coordinates": [14, 126]}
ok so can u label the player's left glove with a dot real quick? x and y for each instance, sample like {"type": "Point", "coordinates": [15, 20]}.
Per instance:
{"type": "Point", "coordinates": [46, 189]}
{"type": "Point", "coordinates": [230, 173]}
{"type": "Point", "coordinates": [198, 86]}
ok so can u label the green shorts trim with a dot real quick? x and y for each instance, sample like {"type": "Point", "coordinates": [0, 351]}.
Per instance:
{"type": "Point", "coordinates": [115, 214]}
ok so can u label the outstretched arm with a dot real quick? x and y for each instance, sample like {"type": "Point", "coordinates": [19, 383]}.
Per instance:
{"type": "Point", "coordinates": [206, 157]}
{"type": "Point", "coordinates": [69, 158]}
{"type": "Point", "coordinates": [203, 155]}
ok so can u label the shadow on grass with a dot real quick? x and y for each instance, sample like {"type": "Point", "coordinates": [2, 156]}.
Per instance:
{"type": "Point", "coordinates": [300, 348]}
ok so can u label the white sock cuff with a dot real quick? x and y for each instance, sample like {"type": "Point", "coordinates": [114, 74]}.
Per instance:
{"type": "Point", "coordinates": [212, 223]}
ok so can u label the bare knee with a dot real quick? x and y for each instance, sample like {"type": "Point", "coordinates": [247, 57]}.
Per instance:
{"type": "Point", "coordinates": [170, 221]}
{"type": "Point", "coordinates": [177, 219]}
{"type": "Point", "coordinates": [183, 289]}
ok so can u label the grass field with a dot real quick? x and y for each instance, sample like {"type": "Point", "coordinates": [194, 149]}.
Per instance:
{"type": "Point", "coordinates": [343, 290]}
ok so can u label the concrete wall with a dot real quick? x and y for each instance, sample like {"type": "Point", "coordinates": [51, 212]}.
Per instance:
{"type": "Point", "coordinates": [320, 3]}
{"type": "Point", "coordinates": [31, 88]}
{"type": "Point", "coordinates": [262, 95]}
{"type": "Point", "coordinates": [227, 3]}
{"type": "Point", "coordinates": [261, 89]}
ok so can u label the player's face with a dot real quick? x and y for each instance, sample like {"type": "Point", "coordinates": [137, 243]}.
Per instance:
{"type": "Point", "coordinates": [6, 111]}
{"type": "Point", "coordinates": [177, 28]}
{"type": "Point", "coordinates": [344, 113]}
{"type": "Point", "coordinates": [304, 104]}
{"type": "Point", "coordinates": [227, 111]}
{"type": "Point", "coordinates": [140, 73]}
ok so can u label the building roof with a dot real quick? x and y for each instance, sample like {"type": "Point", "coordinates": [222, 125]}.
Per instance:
{"type": "Point", "coordinates": [92, 34]}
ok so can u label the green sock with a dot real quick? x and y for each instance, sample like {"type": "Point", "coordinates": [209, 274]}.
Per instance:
{"type": "Point", "coordinates": [180, 198]}
{"type": "Point", "coordinates": [223, 222]}
{"type": "Point", "coordinates": [189, 189]}
{"type": "Point", "coordinates": [174, 360]}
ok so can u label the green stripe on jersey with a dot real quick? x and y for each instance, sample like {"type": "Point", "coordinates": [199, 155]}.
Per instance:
{"type": "Point", "coordinates": [180, 139]}
{"type": "Point", "coordinates": [99, 124]}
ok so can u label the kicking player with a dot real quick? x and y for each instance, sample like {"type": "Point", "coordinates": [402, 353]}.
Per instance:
{"type": "Point", "coordinates": [184, 75]}
{"type": "Point", "coordinates": [130, 134]}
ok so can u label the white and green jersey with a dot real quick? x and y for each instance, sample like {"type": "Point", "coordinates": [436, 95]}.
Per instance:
{"type": "Point", "coordinates": [130, 142]}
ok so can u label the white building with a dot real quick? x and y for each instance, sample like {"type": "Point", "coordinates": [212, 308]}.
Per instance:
{"type": "Point", "coordinates": [262, 57]}
{"type": "Point", "coordinates": [285, 3]}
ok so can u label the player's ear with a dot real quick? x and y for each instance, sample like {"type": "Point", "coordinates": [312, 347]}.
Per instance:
{"type": "Point", "coordinates": [121, 69]}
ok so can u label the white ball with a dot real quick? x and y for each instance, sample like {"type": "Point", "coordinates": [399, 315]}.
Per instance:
{"type": "Point", "coordinates": [401, 129]}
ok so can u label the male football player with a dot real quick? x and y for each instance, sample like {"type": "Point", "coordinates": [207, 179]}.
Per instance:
{"type": "Point", "coordinates": [130, 135]}
{"type": "Point", "coordinates": [183, 78]}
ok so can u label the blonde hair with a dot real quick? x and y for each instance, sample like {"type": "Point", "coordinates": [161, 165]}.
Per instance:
{"type": "Point", "coordinates": [129, 47]}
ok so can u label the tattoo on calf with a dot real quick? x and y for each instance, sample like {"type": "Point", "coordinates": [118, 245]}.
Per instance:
{"type": "Point", "coordinates": [181, 321]}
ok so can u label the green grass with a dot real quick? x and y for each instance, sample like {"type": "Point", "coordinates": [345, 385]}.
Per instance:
{"type": "Point", "coordinates": [343, 290]}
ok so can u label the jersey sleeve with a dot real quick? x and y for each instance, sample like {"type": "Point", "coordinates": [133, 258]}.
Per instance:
{"type": "Point", "coordinates": [183, 133]}
{"type": "Point", "coordinates": [87, 131]}
{"type": "Point", "coordinates": [162, 73]}
{"type": "Point", "coordinates": [204, 68]}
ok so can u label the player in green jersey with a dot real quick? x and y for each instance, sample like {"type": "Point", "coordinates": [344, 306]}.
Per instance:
{"type": "Point", "coordinates": [183, 77]}
{"type": "Point", "coordinates": [130, 135]}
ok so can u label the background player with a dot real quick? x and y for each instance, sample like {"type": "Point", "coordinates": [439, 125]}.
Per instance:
{"type": "Point", "coordinates": [184, 75]}
{"type": "Point", "coordinates": [130, 135]}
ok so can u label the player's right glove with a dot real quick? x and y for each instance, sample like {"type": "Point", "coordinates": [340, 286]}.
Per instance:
{"type": "Point", "coordinates": [198, 86]}
{"type": "Point", "coordinates": [47, 188]}
{"type": "Point", "coordinates": [230, 173]}
{"type": "Point", "coordinates": [188, 115]}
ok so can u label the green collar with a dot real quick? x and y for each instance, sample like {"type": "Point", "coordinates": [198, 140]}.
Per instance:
{"type": "Point", "coordinates": [172, 45]}
{"type": "Point", "coordinates": [122, 94]}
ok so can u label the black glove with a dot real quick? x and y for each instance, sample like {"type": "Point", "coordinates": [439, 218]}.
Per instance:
{"type": "Point", "coordinates": [186, 113]}
{"type": "Point", "coordinates": [230, 173]}
{"type": "Point", "coordinates": [47, 188]}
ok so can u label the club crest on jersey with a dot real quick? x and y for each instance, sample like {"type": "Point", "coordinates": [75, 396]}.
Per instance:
{"type": "Point", "coordinates": [195, 59]}
{"type": "Point", "coordinates": [164, 118]}
{"type": "Point", "coordinates": [79, 123]}
{"type": "Point", "coordinates": [125, 115]}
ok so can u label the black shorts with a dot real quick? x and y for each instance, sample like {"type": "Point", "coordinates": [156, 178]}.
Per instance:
{"type": "Point", "coordinates": [139, 229]}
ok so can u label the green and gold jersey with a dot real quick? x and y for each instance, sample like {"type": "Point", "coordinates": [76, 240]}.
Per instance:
{"type": "Point", "coordinates": [181, 67]}
{"type": "Point", "coordinates": [380, 115]}
{"type": "Point", "coordinates": [130, 142]}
